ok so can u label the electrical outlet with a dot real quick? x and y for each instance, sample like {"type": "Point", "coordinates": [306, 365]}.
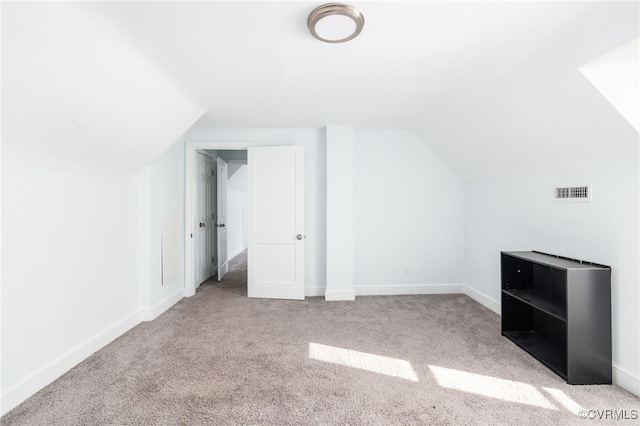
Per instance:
{"type": "Point", "coordinates": [405, 271]}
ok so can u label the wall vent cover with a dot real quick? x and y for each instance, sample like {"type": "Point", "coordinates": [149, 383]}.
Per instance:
{"type": "Point", "coordinates": [572, 193]}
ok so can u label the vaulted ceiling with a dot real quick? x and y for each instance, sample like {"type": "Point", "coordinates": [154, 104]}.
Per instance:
{"type": "Point", "coordinates": [492, 87]}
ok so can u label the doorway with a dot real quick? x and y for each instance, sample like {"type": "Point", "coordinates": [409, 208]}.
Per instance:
{"type": "Point", "coordinates": [274, 231]}
{"type": "Point", "coordinates": [221, 202]}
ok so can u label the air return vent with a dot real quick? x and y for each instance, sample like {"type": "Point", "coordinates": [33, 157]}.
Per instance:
{"type": "Point", "coordinates": [572, 193]}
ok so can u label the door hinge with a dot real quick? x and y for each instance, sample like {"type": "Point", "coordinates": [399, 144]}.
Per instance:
{"type": "Point", "coordinates": [213, 260]}
{"type": "Point", "coordinates": [213, 172]}
{"type": "Point", "coordinates": [191, 235]}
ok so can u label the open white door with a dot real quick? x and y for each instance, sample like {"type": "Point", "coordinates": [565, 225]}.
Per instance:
{"type": "Point", "coordinates": [204, 218]}
{"type": "Point", "coordinates": [221, 226]}
{"type": "Point", "coordinates": [276, 222]}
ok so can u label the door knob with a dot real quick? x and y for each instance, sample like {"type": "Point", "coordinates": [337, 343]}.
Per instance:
{"type": "Point", "coordinates": [223, 225]}
{"type": "Point", "coordinates": [299, 236]}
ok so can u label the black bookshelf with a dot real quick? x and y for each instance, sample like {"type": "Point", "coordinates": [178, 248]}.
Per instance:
{"type": "Point", "coordinates": [559, 311]}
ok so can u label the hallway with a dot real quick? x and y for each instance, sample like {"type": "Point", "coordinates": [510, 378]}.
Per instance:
{"type": "Point", "coordinates": [234, 282]}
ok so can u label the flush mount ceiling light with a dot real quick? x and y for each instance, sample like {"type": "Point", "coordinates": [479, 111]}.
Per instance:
{"type": "Point", "coordinates": [335, 22]}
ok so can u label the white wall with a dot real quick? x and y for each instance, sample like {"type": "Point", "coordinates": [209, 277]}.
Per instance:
{"type": "Point", "coordinates": [408, 208]}
{"type": "Point", "coordinates": [315, 184]}
{"type": "Point", "coordinates": [517, 213]}
{"type": "Point", "coordinates": [239, 181]}
{"type": "Point", "coordinates": [236, 208]}
{"type": "Point", "coordinates": [340, 213]}
{"type": "Point", "coordinates": [161, 195]}
{"type": "Point", "coordinates": [409, 213]}
{"type": "Point", "coordinates": [69, 270]}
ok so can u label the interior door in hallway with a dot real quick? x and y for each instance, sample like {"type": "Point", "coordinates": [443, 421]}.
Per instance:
{"type": "Point", "coordinates": [221, 229]}
{"type": "Point", "coordinates": [276, 222]}
{"type": "Point", "coordinates": [204, 234]}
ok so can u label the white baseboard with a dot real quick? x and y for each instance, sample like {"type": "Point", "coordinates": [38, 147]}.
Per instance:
{"type": "Point", "coordinates": [407, 289]}
{"type": "Point", "coordinates": [236, 253]}
{"type": "Point", "coordinates": [149, 314]}
{"type": "Point", "coordinates": [47, 374]}
{"type": "Point", "coordinates": [336, 295]}
{"type": "Point", "coordinates": [482, 298]}
{"type": "Point", "coordinates": [314, 291]}
{"type": "Point", "coordinates": [626, 380]}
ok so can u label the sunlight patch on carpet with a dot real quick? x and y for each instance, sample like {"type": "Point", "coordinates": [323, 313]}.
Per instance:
{"type": "Point", "coordinates": [565, 400]}
{"type": "Point", "coordinates": [364, 361]}
{"type": "Point", "coordinates": [505, 390]}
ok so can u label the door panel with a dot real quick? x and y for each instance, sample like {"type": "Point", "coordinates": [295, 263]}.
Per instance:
{"type": "Point", "coordinates": [223, 255]}
{"type": "Point", "coordinates": [276, 222]}
{"type": "Point", "coordinates": [204, 218]}
{"type": "Point", "coordinates": [277, 178]}
{"type": "Point", "coordinates": [275, 263]}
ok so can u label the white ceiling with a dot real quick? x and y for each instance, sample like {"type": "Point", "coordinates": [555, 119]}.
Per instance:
{"type": "Point", "coordinates": [493, 87]}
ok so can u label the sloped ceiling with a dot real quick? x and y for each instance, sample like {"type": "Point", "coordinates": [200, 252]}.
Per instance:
{"type": "Point", "coordinates": [493, 87]}
{"type": "Point", "coordinates": [77, 95]}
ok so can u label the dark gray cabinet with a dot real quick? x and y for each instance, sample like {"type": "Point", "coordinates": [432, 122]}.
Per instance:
{"type": "Point", "coordinates": [559, 311]}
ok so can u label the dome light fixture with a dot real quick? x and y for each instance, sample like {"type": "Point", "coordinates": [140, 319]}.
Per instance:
{"type": "Point", "coordinates": [335, 22]}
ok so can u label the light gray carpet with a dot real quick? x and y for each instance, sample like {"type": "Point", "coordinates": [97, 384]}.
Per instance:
{"type": "Point", "coordinates": [219, 358]}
